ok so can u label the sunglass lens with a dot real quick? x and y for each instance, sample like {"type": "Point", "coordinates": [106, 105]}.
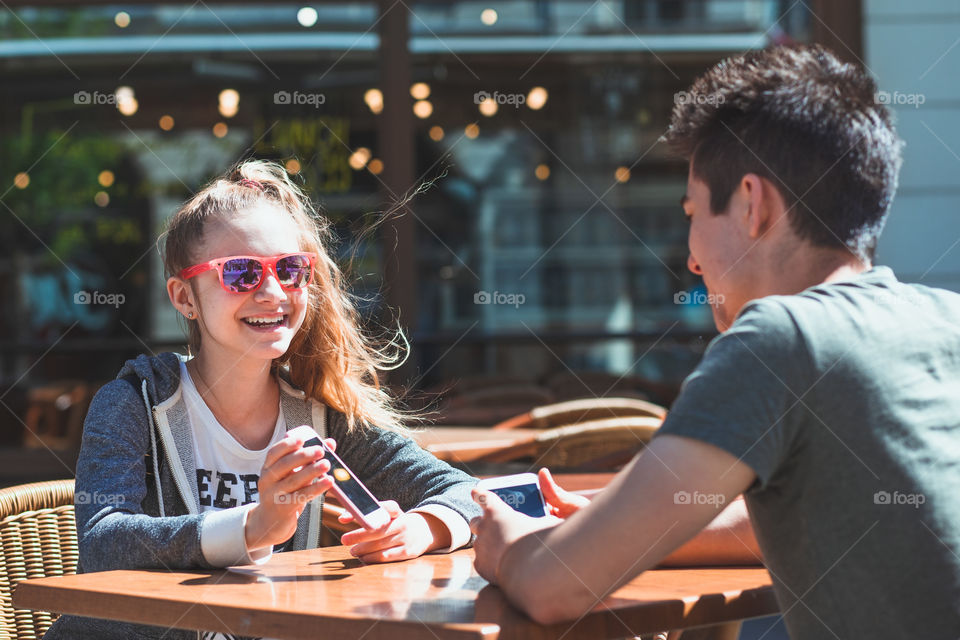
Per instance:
{"type": "Point", "coordinates": [242, 274]}
{"type": "Point", "coordinates": [294, 271]}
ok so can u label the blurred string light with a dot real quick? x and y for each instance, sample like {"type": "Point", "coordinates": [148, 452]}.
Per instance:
{"type": "Point", "coordinates": [126, 101]}
{"type": "Point", "coordinates": [166, 122]}
{"type": "Point", "coordinates": [229, 101]}
{"type": "Point", "coordinates": [106, 178]}
{"type": "Point", "coordinates": [375, 166]}
{"type": "Point", "coordinates": [542, 172]}
{"type": "Point", "coordinates": [307, 16]}
{"type": "Point", "coordinates": [471, 131]}
{"type": "Point", "coordinates": [436, 133]}
{"type": "Point", "coordinates": [21, 180]}
{"type": "Point", "coordinates": [420, 91]}
{"type": "Point", "coordinates": [422, 109]}
{"type": "Point", "coordinates": [292, 166]}
{"type": "Point", "coordinates": [488, 107]}
{"type": "Point", "coordinates": [488, 17]}
{"type": "Point", "coordinates": [122, 19]}
{"type": "Point", "coordinates": [537, 98]}
{"type": "Point", "coordinates": [374, 100]}
{"type": "Point", "coordinates": [622, 174]}
{"type": "Point", "coordinates": [359, 158]}
{"type": "Point", "coordinates": [102, 198]}
{"type": "Point", "coordinates": [220, 129]}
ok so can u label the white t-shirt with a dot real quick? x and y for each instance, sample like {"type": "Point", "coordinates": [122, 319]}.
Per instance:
{"type": "Point", "coordinates": [227, 472]}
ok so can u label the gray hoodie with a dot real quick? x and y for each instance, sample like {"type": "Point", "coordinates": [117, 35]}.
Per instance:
{"type": "Point", "coordinates": [137, 496]}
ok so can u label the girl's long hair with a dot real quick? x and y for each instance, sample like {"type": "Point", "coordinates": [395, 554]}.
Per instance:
{"type": "Point", "coordinates": [330, 357]}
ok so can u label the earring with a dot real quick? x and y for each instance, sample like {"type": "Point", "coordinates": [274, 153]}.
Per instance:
{"type": "Point", "coordinates": [190, 316]}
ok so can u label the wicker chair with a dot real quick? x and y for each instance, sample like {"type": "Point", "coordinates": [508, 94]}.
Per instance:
{"type": "Point", "coordinates": [577, 411]}
{"type": "Point", "coordinates": [596, 445]}
{"type": "Point", "coordinates": [38, 537]}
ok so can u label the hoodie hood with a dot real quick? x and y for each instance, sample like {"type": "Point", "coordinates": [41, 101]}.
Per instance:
{"type": "Point", "coordinates": [161, 373]}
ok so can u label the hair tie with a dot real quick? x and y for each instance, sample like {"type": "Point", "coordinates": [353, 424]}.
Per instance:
{"type": "Point", "coordinates": [253, 184]}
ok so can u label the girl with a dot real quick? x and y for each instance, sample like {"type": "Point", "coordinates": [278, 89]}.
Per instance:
{"type": "Point", "coordinates": [185, 462]}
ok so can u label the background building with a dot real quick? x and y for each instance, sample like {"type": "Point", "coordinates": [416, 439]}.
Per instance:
{"type": "Point", "coordinates": [549, 242]}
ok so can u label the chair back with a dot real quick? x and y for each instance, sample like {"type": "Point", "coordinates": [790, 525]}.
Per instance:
{"type": "Point", "coordinates": [577, 411]}
{"type": "Point", "coordinates": [38, 538]}
{"type": "Point", "coordinates": [595, 445]}
{"type": "Point", "coordinates": [55, 413]}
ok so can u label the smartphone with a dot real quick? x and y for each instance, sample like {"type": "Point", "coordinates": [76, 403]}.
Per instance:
{"type": "Point", "coordinates": [354, 497]}
{"type": "Point", "coordinates": [520, 491]}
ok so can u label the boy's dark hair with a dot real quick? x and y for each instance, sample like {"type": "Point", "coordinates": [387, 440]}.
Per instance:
{"type": "Point", "coordinates": [807, 122]}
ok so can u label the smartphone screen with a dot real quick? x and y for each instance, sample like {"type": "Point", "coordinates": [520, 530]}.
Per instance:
{"type": "Point", "coordinates": [350, 486]}
{"type": "Point", "coordinates": [524, 498]}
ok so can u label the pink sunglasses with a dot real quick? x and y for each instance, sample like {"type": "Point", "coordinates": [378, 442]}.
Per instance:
{"type": "Point", "coordinates": [243, 274]}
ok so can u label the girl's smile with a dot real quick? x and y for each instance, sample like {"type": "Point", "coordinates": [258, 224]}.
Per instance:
{"type": "Point", "coordinates": [267, 322]}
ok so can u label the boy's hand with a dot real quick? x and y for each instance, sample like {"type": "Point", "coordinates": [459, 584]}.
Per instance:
{"type": "Point", "coordinates": [292, 475]}
{"type": "Point", "coordinates": [407, 535]}
{"type": "Point", "coordinates": [498, 528]}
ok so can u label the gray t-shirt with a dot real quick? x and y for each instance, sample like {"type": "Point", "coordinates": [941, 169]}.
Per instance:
{"type": "Point", "coordinates": [845, 402]}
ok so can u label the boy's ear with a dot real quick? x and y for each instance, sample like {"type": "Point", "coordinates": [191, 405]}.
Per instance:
{"type": "Point", "coordinates": [181, 296]}
{"type": "Point", "coordinates": [756, 194]}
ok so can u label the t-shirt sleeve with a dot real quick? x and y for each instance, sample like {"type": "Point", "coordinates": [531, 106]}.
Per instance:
{"type": "Point", "coordinates": [742, 394]}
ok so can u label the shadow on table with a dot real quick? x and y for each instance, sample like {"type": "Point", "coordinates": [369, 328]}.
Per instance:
{"type": "Point", "coordinates": [234, 577]}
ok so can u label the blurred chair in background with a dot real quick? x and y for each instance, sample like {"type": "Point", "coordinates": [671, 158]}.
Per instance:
{"type": "Point", "coordinates": [568, 385]}
{"type": "Point", "coordinates": [38, 538]}
{"type": "Point", "coordinates": [491, 404]}
{"type": "Point", "coordinates": [55, 414]}
{"type": "Point", "coordinates": [595, 445]}
{"type": "Point", "coordinates": [576, 411]}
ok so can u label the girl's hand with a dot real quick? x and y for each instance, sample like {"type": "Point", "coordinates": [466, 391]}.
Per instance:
{"type": "Point", "coordinates": [560, 502]}
{"type": "Point", "coordinates": [291, 477]}
{"type": "Point", "coordinates": [407, 535]}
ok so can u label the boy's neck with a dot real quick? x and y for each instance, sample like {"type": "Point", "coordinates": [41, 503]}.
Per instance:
{"type": "Point", "coordinates": [812, 267]}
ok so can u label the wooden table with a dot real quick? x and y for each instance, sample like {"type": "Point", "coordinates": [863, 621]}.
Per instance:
{"type": "Point", "coordinates": [326, 592]}
{"type": "Point", "coordinates": [466, 444]}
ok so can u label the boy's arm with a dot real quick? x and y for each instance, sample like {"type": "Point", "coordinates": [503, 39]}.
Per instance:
{"type": "Point", "coordinates": [727, 540]}
{"type": "Point", "coordinates": [661, 500]}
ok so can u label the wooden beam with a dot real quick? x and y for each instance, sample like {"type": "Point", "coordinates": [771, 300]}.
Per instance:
{"type": "Point", "coordinates": [839, 26]}
{"type": "Point", "coordinates": [395, 146]}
